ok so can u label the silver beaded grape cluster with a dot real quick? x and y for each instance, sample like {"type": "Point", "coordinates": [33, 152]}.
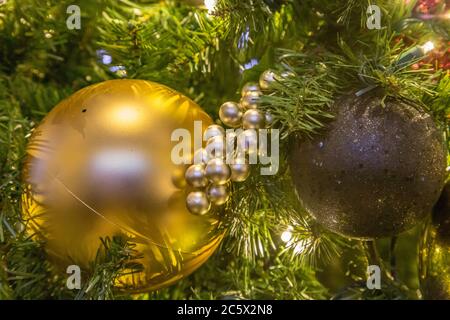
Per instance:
{"type": "Point", "coordinates": [210, 175]}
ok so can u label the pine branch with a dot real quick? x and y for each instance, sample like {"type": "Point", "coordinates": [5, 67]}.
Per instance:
{"type": "Point", "coordinates": [113, 258]}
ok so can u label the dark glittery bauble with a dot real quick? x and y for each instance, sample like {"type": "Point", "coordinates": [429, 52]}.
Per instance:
{"type": "Point", "coordinates": [435, 252]}
{"type": "Point", "coordinates": [375, 171]}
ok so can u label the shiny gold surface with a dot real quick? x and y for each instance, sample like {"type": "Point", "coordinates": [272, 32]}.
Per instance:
{"type": "Point", "coordinates": [435, 265]}
{"type": "Point", "coordinates": [100, 165]}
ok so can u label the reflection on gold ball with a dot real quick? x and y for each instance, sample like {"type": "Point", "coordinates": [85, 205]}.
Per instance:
{"type": "Point", "coordinates": [178, 179]}
{"type": "Point", "coordinates": [434, 265]}
{"type": "Point", "coordinates": [100, 165]}
{"type": "Point", "coordinates": [434, 254]}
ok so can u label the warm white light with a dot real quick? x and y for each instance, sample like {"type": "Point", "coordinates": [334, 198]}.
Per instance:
{"type": "Point", "coordinates": [428, 46]}
{"type": "Point", "coordinates": [127, 115]}
{"type": "Point", "coordinates": [210, 5]}
{"type": "Point", "coordinates": [286, 236]}
{"type": "Point", "coordinates": [300, 246]}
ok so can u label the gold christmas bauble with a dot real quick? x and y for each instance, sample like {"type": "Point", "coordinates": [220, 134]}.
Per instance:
{"type": "Point", "coordinates": [434, 257]}
{"type": "Point", "coordinates": [252, 119]}
{"type": "Point", "coordinates": [231, 114]}
{"type": "Point", "coordinates": [100, 165]}
{"type": "Point", "coordinates": [434, 254]}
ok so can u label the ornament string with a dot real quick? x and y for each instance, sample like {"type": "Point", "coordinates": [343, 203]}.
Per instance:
{"type": "Point", "coordinates": [129, 231]}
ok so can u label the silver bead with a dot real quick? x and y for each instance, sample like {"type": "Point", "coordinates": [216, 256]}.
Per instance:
{"type": "Point", "coordinates": [195, 176]}
{"type": "Point", "coordinates": [240, 170]}
{"type": "Point", "coordinates": [230, 114]}
{"type": "Point", "coordinates": [197, 203]}
{"type": "Point", "coordinates": [268, 119]}
{"type": "Point", "coordinates": [200, 156]}
{"type": "Point", "coordinates": [266, 79]}
{"type": "Point", "coordinates": [213, 130]}
{"type": "Point", "coordinates": [231, 142]}
{"type": "Point", "coordinates": [251, 100]}
{"type": "Point", "coordinates": [215, 147]}
{"type": "Point", "coordinates": [218, 194]}
{"type": "Point", "coordinates": [250, 87]}
{"type": "Point", "coordinates": [252, 119]}
{"type": "Point", "coordinates": [247, 143]}
{"type": "Point", "coordinates": [217, 171]}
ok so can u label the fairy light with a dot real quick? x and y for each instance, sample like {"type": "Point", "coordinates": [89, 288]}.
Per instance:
{"type": "Point", "coordinates": [300, 246]}
{"type": "Point", "coordinates": [414, 54]}
{"type": "Point", "coordinates": [210, 5]}
{"type": "Point", "coordinates": [286, 236]}
{"type": "Point", "coordinates": [427, 47]}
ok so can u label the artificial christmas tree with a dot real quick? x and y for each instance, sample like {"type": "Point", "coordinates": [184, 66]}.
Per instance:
{"type": "Point", "coordinates": [301, 80]}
